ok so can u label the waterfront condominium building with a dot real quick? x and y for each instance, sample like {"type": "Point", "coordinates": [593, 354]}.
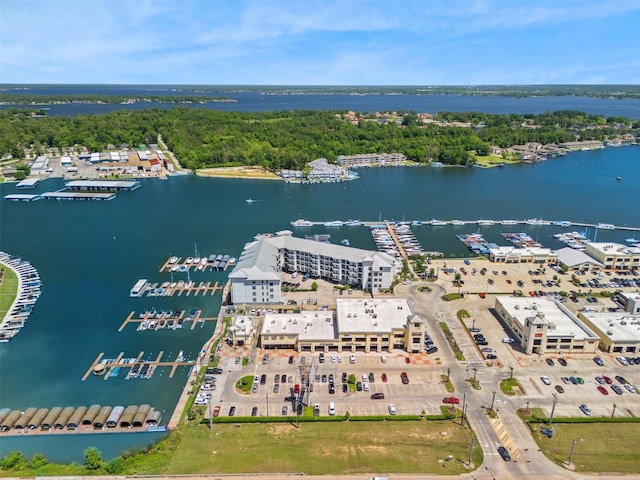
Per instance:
{"type": "Point", "coordinates": [256, 276]}
{"type": "Point", "coordinates": [543, 325]}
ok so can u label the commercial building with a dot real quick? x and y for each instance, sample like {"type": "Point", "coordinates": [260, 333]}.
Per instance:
{"type": "Point", "coordinates": [256, 276]}
{"type": "Point", "coordinates": [619, 332]}
{"type": "Point", "coordinates": [629, 301]}
{"type": "Point", "coordinates": [577, 260]}
{"type": "Point", "coordinates": [543, 325]}
{"type": "Point", "coordinates": [614, 255]}
{"type": "Point", "coordinates": [509, 254]}
{"type": "Point", "coordinates": [357, 325]}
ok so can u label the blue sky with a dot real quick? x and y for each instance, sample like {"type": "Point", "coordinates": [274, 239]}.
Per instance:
{"type": "Point", "coordinates": [341, 42]}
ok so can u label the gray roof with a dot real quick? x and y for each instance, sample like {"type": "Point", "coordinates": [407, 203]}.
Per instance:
{"type": "Point", "coordinates": [257, 262]}
{"type": "Point", "coordinates": [570, 257]}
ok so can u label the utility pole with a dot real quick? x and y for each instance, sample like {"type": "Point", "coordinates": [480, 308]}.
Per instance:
{"type": "Point", "coordinates": [614, 410]}
{"type": "Point", "coordinates": [553, 408]}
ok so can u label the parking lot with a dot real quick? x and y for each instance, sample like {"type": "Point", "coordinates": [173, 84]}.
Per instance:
{"type": "Point", "coordinates": [425, 391]}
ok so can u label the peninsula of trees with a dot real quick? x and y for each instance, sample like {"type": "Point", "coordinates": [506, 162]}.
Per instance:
{"type": "Point", "coordinates": [288, 140]}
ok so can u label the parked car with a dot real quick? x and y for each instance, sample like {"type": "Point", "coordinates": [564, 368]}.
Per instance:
{"type": "Point", "coordinates": [607, 380]}
{"type": "Point", "coordinates": [550, 362]}
{"type": "Point", "coordinates": [377, 396]}
{"type": "Point", "coordinates": [216, 410]}
{"type": "Point", "coordinates": [407, 360]}
{"type": "Point", "coordinates": [254, 411]}
{"type": "Point", "coordinates": [586, 410]}
{"type": "Point", "coordinates": [404, 377]}
{"type": "Point", "coordinates": [451, 400]}
{"type": "Point", "coordinates": [562, 362]}
{"type": "Point", "coordinates": [491, 356]}
{"type": "Point", "coordinates": [285, 409]}
{"type": "Point", "coordinates": [384, 377]}
{"type": "Point", "coordinates": [598, 361]}
{"type": "Point", "coordinates": [600, 380]}
{"type": "Point", "coordinates": [392, 409]}
{"type": "Point", "coordinates": [559, 388]}
{"type": "Point", "coordinates": [432, 350]}
{"type": "Point", "coordinates": [616, 389]}
{"type": "Point", "coordinates": [545, 380]}
{"type": "Point", "coordinates": [565, 380]}
{"type": "Point", "coordinates": [232, 411]}
{"type": "Point", "coordinates": [603, 390]}
{"type": "Point", "coordinates": [630, 387]}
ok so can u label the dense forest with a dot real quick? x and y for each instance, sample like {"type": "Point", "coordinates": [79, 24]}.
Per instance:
{"type": "Point", "coordinates": [276, 140]}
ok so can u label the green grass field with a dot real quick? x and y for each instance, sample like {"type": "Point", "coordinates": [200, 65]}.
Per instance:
{"type": "Point", "coordinates": [8, 290]}
{"type": "Point", "coordinates": [600, 447]}
{"type": "Point", "coordinates": [323, 448]}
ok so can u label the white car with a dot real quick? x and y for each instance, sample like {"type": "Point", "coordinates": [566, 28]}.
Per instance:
{"type": "Point", "coordinates": [545, 380]}
{"type": "Point", "coordinates": [352, 358]}
{"type": "Point", "coordinates": [392, 409]}
{"type": "Point", "coordinates": [365, 386]}
{"type": "Point", "coordinates": [383, 359]}
{"type": "Point", "coordinates": [508, 340]}
{"type": "Point", "coordinates": [334, 358]}
{"type": "Point", "coordinates": [630, 387]}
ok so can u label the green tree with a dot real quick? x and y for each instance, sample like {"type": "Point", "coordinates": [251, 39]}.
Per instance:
{"type": "Point", "coordinates": [13, 461]}
{"type": "Point", "coordinates": [314, 286]}
{"type": "Point", "coordinates": [93, 459]}
{"type": "Point", "coordinates": [38, 461]}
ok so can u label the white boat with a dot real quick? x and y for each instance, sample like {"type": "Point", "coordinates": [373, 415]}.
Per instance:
{"type": "Point", "coordinates": [345, 242]}
{"type": "Point", "coordinates": [333, 223]}
{"type": "Point", "coordinates": [605, 226]}
{"type": "Point", "coordinates": [188, 260]}
{"type": "Point", "coordinates": [563, 223]}
{"type": "Point", "coordinates": [437, 223]}
{"type": "Point", "coordinates": [534, 221]}
{"type": "Point", "coordinates": [457, 222]}
{"type": "Point", "coordinates": [486, 222]}
{"type": "Point", "coordinates": [139, 288]}
{"type": "Point", "coordinates": [249, 200]}
{"type": "Point", "coordinates": [631, 240]}
{"type": "Point", "coordinates": [302, 223]}
{"type": "Point", "coordinates": [173, 260]}
{"type": "Point", "coordinates": [509, 222]}
{"type": "Point", "coordinates": [353, 223]}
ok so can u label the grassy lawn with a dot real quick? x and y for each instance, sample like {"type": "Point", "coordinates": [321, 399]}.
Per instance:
{"type": "Point", "coordinates": [508, 384]}
{"type": "Point", "coordinates": [592, 451]}
{"type": "Point", "coordinates": [8, 290]}
{"type": "Point", "coordinates": [323, 448]}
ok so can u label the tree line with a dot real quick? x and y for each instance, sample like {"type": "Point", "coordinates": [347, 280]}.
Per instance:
{"type": "Point", "coordinates": [289, 139]}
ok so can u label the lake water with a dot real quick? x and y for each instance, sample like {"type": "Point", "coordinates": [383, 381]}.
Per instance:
{"type": "Point", "coordinates": [255, 101]}
{"type": "Point", "coordinates": [89, 255]}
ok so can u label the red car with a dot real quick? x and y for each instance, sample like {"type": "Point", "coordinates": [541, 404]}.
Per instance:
{"type": "Point", "coordinates": [603, 390]}
{"type": "Point", "coordinates": [216, 411]}
{"type": "Point", "coordinates": [384, 377]}
{"type": "Point", "coordinates": [482, 294]}
{"type": "Point", "coordinates": [451, 400]}
{"type": "Point", "coordinates": [404, 377]}
{"type": "Point", "coordinates": [607, 380]}
{"type": "Point", "coordinates": [407, 360]}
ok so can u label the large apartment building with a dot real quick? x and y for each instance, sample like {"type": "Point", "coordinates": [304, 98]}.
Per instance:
{"type": "Point", "coordinates": [256, 276]}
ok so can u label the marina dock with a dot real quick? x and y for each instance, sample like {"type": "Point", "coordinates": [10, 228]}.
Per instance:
{"type": "Point", "coordinates": [151, 320]}
{"type": "Point", "coordinates": [136, 366]}
{"type": "Point", "coordinates": [214, 263]}
{"type": "Point", "coordinates": [481, 222]}
{"type": "Point", "coordinates": [169, 289]}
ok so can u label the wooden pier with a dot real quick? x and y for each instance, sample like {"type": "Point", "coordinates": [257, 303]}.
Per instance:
{"type": "Point", "coordinates": [128, 363]}
{"type": "Point", "coordinates": [153, 323]}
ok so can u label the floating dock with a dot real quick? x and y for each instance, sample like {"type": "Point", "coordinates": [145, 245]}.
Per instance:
{"type": "Point", "coordinates": [137, 367]}
{"type": "Point", "coordinates": [151, 320]}
{"type": "Point", "coordinates": [216, 263]}
{"type": "Point", "coordinates": [481, 222]}
{"type": "Point", "coordinates": [169, 289]}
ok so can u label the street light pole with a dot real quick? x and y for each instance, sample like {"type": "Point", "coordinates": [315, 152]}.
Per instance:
{"type": "Point", "coordinates": [267, 395]}
{"type": "Point", "coordinates": [614, 410]}
{"type": "Point", "coordinates": [553, 408]}
{"type": "Point", "coordinates": [471, 450]}
{"type": "Point", "coordinates": [464, 405]}
{"type": "Point", "coordinates": [573, 444]}
{"type": "Point", "coordinates": [493, 400]}
{"type": "Point", "coordinates": [511, 373]}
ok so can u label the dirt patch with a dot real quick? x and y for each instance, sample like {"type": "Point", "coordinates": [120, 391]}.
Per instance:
{"type": "Point", "coordinates": [238, 172]}
{"type": "Point", "coordinates": [280, 429]}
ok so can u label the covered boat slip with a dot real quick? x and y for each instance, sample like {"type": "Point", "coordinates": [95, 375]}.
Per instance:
{"type": "Point", "coordinates": [95, 419]}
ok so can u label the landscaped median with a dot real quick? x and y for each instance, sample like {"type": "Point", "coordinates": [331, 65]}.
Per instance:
{"type": "Point", "coordinates": [595, 444]}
